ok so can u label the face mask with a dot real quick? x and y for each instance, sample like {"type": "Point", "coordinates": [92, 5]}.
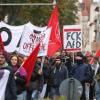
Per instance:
{"type": "Point", "coordinates": [39, 63]}
{"type": "Point", "coordinates": [79, 61]}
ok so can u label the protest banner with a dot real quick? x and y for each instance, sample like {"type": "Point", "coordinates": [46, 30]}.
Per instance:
{"type": "Point", "coordinates": [11, 35]}
{"type": "Point", "coordinates": [31, 37]}
{"type": "Point", "coordinates": [72, 37]}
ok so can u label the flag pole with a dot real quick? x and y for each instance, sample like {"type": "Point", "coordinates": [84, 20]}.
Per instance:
{"type": "Point", "coordinates": [19, 68]}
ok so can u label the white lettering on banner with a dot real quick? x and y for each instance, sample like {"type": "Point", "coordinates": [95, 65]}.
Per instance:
{"type": "Point", "coordinates": [31, 38]}
{"type": "Point", "coordinates": [72, 37]}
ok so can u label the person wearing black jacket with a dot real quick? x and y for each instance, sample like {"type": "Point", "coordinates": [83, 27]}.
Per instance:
{"type": "Point", "coordinates": [59, 74]}
{"type": "Point", "coordinates": [48, 78]}
{"type": "Point", "coordinates": [36, 83]}
{"type": "Point", "coordinates": [7, 82]}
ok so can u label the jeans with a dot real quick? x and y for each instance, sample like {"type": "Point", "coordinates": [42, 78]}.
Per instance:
{"type": "Point", "coordinates": [35, 95]}
{"type": "Point", "coordinates": [22, 96]}
{"type": "Point", "coordinates": [54, 92]}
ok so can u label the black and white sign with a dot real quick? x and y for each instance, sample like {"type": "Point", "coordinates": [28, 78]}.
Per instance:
{"type": "Point", "coordinates": [72, 37]}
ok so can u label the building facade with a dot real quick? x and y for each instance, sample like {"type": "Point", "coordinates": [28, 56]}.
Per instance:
{"type": "Point", "coordinates": [94, 29]}
{"type": "Point", "coordinates": [90, 21]}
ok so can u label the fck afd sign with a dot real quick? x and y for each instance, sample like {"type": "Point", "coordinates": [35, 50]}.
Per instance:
{"type": "Point", "coordinates": [72, 37]}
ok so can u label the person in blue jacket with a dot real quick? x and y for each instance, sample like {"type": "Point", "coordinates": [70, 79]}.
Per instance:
{"type": "Point", "coordinates": [81, 72]}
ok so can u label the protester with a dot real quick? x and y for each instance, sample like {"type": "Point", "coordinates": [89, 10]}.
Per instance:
{"type": "Point", "coordinates": [36, 83]}
{"type": "Point", "coordinates": [91, 85]}
{"type": "Point", "coordinates": [97, 77]}
{"type": "Point", "coordinates": [7, 82]}
{"type": "Point", "coordinates": [67, 60]}
{"type": "Point", "coordinates": [20, 77]}
{"type": "Point", "coordinates": [81, 71]}
{"type": "Point", "coordinates": [48, 78]}
{"type": "Point", "coordinates": [59, 74]}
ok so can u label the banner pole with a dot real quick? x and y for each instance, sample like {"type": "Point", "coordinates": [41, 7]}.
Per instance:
{"type": "Point", "coordinates": [73, 58]}
{"type": "Point", "coordinates": [43, 58]}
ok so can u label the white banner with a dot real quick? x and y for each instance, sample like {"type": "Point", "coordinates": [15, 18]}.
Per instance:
{"type": "Point", "coordinates": [31, 37]}
{"type": "Point", "coordinates": [11, 35]}
{"type": "Point", "coordinates": [4, 75]}
{"type": "Point", "coordinates": [72, 37]}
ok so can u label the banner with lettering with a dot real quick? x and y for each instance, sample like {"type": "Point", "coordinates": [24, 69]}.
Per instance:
{"type": "Point", "coordinates": [31, 37]}
{"type": "Point", "coordinates": [11, 35]}
{"type": "Point", "coordinates": [72, 37]}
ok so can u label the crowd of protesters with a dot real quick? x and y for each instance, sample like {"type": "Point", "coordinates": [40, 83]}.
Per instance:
{"type": "Point", "coordinates": [55, 69]}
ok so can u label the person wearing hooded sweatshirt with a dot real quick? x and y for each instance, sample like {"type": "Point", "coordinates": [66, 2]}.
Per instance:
{"type": "Point", "coordinates": [7, 82]}
{"type": "Point", "coordinates": [81, 72]}
{"type": "Point", "coordinates": [59, 73]}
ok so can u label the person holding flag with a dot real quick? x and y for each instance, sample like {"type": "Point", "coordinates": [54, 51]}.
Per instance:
{"type": "Point", "coordinates": [20, 76]}
{"type": "Point", "coordinates": [34, 73]}
{"type": "Point", "coordinates": [36, 82]}
{"type": "Point", "coordinates": [97, 74]}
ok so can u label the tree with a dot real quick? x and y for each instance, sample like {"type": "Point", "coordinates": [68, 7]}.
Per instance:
{"type": "Point", "coordinates": [39, 15]}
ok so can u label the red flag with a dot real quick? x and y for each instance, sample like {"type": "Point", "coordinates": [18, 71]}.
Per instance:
{"type": "Point", "coordinates": [1, 44]}
{"type": "Point", "coordinates": [98, 53]}
{"type": "Point", "coordinates": [87, 54]}
{"type": "Point", "coordinates": [51, 0]}
{"type": "Point", "coordinates": [30, 62]}
{"type": "Point", "coordinates": [92, 61]}
{"type": "Point", "coordinates": [55, 41]}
